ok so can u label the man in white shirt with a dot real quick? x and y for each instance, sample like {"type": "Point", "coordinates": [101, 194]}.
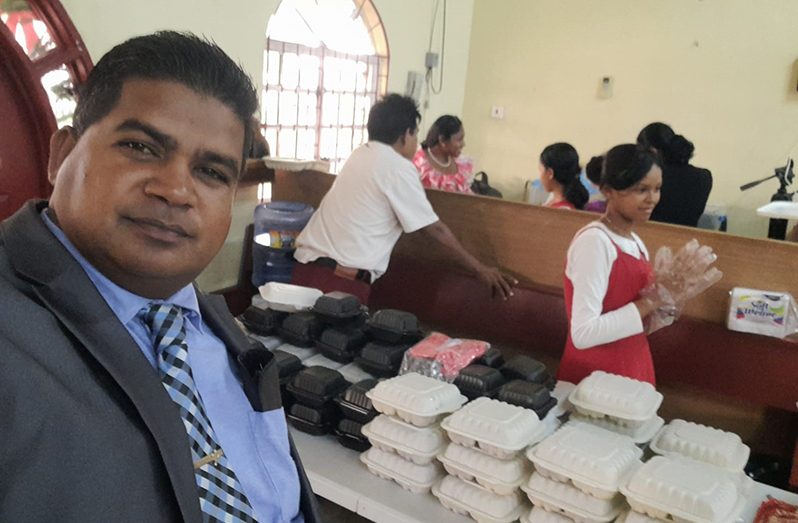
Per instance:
{"type": "Point", "coordinates": [377, 196]}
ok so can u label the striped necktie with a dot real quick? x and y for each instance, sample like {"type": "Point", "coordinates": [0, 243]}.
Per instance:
{"type": "Point", "coordinates": [220, 493]}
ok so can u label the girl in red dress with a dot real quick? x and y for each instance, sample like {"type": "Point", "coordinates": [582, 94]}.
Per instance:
{"type": "Point", "coordinates": [606, 268]}
{"type": "Point", "coordinates": [559, 175]}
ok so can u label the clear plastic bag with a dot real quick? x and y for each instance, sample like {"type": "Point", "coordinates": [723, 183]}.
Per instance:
{"type": "Point", "coordinates": [441, 357]}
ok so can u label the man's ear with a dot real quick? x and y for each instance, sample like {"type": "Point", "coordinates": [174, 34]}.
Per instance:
{"type": "Point", "coordinates": [61, 144]}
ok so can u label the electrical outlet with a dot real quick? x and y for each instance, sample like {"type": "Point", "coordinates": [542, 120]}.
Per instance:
{"type": "Point", "coordinates": [497, 112]}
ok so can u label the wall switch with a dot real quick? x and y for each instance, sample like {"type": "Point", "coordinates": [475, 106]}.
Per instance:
{"type": "Point", "coordinates": [497, 112]}
{"type": "Point", "coordinates": [431, 60]}
{"type": "Point", "coordinates": [605, 87]}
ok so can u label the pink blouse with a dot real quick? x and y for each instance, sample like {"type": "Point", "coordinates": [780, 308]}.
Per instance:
{"type": "Point", "coordinates": [434, 179]}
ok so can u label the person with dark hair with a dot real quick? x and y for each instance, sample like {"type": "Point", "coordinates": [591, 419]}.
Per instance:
{"type": "Point", "coordinates": [607, 267]}
{"type": "Point", "coordinates": [128, 394]}
{"type": "Point", "coordinates": [559, 174]}
{"type": "Point", "coordinates": [593, 172]}
{"type": "Point", "coordinates": [377, 196]}
{"type": "Point", "coordinates": [685, 188]}
{"type": "Point", "coordinates": [439, 161]}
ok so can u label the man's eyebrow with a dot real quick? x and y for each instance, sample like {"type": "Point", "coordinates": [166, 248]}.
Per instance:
{"type": "Point", "coordinates": [164, 140]}
{"type": "Point", "coordinates": [227, 161]}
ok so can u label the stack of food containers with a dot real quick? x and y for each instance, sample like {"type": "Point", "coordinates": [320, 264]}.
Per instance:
{"type": "Point", "coordinates": [406, 438]}
{"type": "Point", "coordinates": [699, 478]}
{"type": "Point", "coordinates": [357, 410]}
{"type": "Point", "coordinates": [392, 332]}
{"type": "Point", "coordinates": [343, 317]}
{"type": "Point", "coordinates": [579, 471]}
{"type": "Point", "coordinates": [619, 404]}
{"type": "Point", "coordinates": [485, 459]}
{"type": "Point", "coordinates": [313, 390]}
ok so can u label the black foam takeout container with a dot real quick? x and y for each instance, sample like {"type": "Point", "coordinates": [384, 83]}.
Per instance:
{"type": "Point", "coordinates": [479, 380]}
{"type": "Point", "coordinates": [301, 329]}
{"type": "Point", "coordinates": [355, 405]}
{"type": "Point", "coordinates": [393, 326]}
{"type": "Point", "coordinates": [528, 395]}
{"type": "Point", "coordinates": [382, 359]}
{"type": "Point", "coordinates": [315, 386]}
{"type": "Point", "coordinates": [261, 321]}
{"type": "Point", "coordinates": [338, 308]}
{"type": "Point", "coordinates": [341, 344]}
{"type": "Point", "coordinates": [493, 357]}
{"type": "Point", "coordinates": [350, 435]}
{"type": "Point", "coordinates": [527, 369]}
{"type": "Point", "coordinates": [313, 420]}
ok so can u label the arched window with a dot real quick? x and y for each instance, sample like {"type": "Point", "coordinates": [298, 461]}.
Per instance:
{"type": "Point", "coordinates": [324, 66]}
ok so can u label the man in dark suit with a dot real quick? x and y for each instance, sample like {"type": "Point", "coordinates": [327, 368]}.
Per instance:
{"type": "Point", "coordinates": [125, 393]}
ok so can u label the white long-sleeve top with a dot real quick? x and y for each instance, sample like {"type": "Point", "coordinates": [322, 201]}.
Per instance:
{"type": "Point", "coordinates": [589, 262]}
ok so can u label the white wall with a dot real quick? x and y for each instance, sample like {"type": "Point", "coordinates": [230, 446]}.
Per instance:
{"type": "Point", "coordinates": [239, 27]}
{"type": "Point", "coordinates": [721, 72]}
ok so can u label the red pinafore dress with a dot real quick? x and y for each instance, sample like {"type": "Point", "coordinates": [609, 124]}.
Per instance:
{"type": "Point", "coordinates": [629, 356]}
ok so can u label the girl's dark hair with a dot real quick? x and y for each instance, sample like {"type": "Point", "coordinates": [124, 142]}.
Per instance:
{"type": "Point", "coordinates": [674, 148]}
{"type": "Point", "coordinates": [625, 165]}
{"type": "Point", "coordinates": [442, 129]}
{"type": "Point", "coordinates": [563, 160]}
{"type": "Point", "coordinates": [391, 117]}
{"type": "Point", "coordinates": [593, 169]}
{"type": "Point", "coordinates": [184, 58]}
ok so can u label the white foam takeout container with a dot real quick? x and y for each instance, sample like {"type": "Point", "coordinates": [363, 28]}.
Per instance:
{"type": "Point", "coordinates": [497, 475]}
{"type": "Point", "coordinates": [541, 515]}
{"type": "Point", "coordinates": [708, 444]}
{"type": "Point", "coordinates": [683, 489]}
{"type": "Point", "coordinates": [417, 444]}
{"type": "Point", "coordinates": [418, 479]}
{"type": "Point", "coordinates": [495, 427]}
{"type": "Point", "coordinates": [566, 499]}
{"type": "Point", "coordinates": [484, 506]}
{"type": "Point", "coordinates": [640, 434]}
{"type": "Point", "coordinates": [630, 516]}
{"type": "Point", "coordinates": [630, 401]}
{"type": "Point", "coordinates": [288, 298]}
{"type": "Point", "coordinates": [415, 398]}
{"type": "Point", "coordinates": [595, 460]}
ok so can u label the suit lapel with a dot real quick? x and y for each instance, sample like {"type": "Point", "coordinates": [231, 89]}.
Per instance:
{"type": "Point", "coordinates": [63, 287]}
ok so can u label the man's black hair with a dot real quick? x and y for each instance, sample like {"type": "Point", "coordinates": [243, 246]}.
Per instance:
{"type": "Point", "coordinates": [184, 58]}
{"type": "Point", "coordinates": [391, 117]}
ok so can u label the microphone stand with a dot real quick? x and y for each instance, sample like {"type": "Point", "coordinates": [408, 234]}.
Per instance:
{"type": "Point", "coordinates": [777, 228]}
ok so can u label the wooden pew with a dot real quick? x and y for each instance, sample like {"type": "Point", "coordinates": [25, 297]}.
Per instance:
{"type": "Point", "coordinates": [740, 382]}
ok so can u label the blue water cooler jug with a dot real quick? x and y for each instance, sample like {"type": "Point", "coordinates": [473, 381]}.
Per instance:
{"type": "Point", "coordinates": [277, 224]}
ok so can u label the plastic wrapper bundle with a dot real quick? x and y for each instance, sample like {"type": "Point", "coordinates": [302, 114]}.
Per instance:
{"type": "Point", "coordinates": [441, 357]}
{"type": "Point", "coordinates": [678, 278]}
{"type": "Point", "coordinates": [763, 312]}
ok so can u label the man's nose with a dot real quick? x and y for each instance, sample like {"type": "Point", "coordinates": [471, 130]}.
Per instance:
{"type": "Point", "coordinates": [172, 182]}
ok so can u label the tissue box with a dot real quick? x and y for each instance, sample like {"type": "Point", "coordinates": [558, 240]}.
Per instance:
{"type": "Point", "coordinates": [762, 312]}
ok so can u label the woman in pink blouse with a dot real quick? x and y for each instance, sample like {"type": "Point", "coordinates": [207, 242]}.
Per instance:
{"type": "Point", "coordinates": [439, 162]}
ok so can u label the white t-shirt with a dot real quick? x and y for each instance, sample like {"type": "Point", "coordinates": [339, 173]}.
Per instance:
{"type": "Point", "coordinates": [377, 196]}
{"type": "Point", "coordinates": [589, 262]}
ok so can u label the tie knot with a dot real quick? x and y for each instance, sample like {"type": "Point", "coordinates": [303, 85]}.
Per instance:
{"type": "Point", "coordinates": [164, 321]}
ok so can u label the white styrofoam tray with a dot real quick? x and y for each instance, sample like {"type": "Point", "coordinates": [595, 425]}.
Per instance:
{"type": "Point", "coordinates": [565, 498]}
{"type": "Point", "coordinates": [481, 504]}
{"type": "Point", "coordinates": [601, 394]}
{"type": "Point", "coordinates": [288, 298]}
{"type": "Point", "coordinates": [415, 398]}
{"type": "Point", "coordinates": [708, 444]}
{"type": "Point", "coordinates": [683, 489]}
{"type": "Point", "coordinates": [640, 434]}
{"type": "Point", "coordinates": [595, 460]}
{"type": "Point", "coordinates": [497, 475]}
{"type": "Point", "coordinates": [417, 444]}
{"type": "Point", "coordinates": [495, 427]}
{"type": "Point", "coordinates": [541, 515]}
{"type": "Point", "coordinates": [410, 476]}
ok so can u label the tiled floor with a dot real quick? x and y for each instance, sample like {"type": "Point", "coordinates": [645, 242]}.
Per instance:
{"type": "Point", "coordinates": [333, 513]}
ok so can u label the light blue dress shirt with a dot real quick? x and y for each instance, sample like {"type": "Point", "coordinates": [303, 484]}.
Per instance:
{"type": "Point", "coordinates": [256, 443]}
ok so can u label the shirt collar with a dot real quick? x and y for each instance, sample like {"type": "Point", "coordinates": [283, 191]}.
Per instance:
{"type": "Point", "coordinates": [125, 304]}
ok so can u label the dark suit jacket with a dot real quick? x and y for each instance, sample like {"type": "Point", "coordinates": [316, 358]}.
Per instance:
{"type": "Point", "coordinates": [87, 431]}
